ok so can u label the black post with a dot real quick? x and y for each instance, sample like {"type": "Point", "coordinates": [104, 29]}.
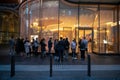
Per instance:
{"type": "Point", "coordinates": [89, 65]}
{"type": "Point", "coordinates": [51, 65]}
{"type": "Point", "coordinates": [12, 73]}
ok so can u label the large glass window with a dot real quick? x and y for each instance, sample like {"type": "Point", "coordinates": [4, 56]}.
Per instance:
{"type": "Point", "coordinates": [119, 28]}
{"type": "Point", "coordinates": [69, 20]}
{"type": "Point", "coordinates": [108, 29]}
{"type": "Point", "coordinates": [57, 18]}
{"type": "Point", "coordinates": [40, 19]}
{"type": "Point", "coordinates": [8, 26]}
{"type": "Point", "coordinates": [88, 22]}
{"type": "Point", "coordinates": [50, 19]}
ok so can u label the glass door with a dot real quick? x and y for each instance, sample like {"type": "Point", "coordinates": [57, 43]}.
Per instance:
{"type": "Point", "coordinates": [88, 33]}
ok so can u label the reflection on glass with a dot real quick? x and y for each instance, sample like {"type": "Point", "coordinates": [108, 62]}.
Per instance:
{"type": "Point", "coordinates": [8, 26]}
{"type": "Point", "coordinates": [119, 29]}
{"type": "Point", "coordinates": [53, 18]}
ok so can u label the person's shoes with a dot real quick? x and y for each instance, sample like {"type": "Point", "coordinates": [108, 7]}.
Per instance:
{"type": "Point", "coordinates": [75, 58]}
{"type": "Point", "coordinates": [82, 59]}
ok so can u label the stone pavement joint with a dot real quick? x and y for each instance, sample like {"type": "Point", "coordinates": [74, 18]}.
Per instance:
{"type": "Point", "coordinates": [59, 67]}
{"type": "Point", "coordinates": [69, 75]}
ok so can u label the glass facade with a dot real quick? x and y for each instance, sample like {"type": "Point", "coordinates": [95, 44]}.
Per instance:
{"type": "Point", "coordinates": [119, 26]}
{"type": "Point", "coordinates": [57, 18]}
{"type": "Point", "coordinates": [108, 29]}
{"type": "Point", "coordinates": [9, 26]}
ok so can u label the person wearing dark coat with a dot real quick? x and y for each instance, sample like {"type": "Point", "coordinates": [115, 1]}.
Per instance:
{"type": "Point", "coordinates": [17, 46]}
{"type": "Point", "coordinates": [67, 44]}
{"type": "Point", "coordinates": [60, 49]}
{"type": "Point", "coordinates": [12, 45]}
{"type": "Point", "coordinates": [83, 47]}
{"type": "Point", "coordinates": [50, 45]}
{"type": "Point", "coordinates": [43, 48]}
{"type": "Point", "coordinates": [55, 49]}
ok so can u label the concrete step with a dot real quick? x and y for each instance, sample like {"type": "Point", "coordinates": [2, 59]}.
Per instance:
{"type": "Point", "coordinates": [60, 67]}
{"type": "Point", "coordinates": [61, 75]}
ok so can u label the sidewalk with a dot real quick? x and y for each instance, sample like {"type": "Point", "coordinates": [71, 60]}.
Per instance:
{"type": "Point", "coordinates": [34, 68]}
{"type": "Point", "coordinates": [63, 75]}
{"type": "Point", "coordinates": [61, 72]}
{"type": "Point", "coordinates": [36, 60]}
{"type": "Point", "coordinates": [61, 67]}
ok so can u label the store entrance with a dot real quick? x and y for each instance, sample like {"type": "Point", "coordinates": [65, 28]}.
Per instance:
{"type": "Point", "coordinates": [88, 33]}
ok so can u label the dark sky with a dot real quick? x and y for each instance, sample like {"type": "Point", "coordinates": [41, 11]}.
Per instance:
{"type": "Point", "coordinates": [8, 1]}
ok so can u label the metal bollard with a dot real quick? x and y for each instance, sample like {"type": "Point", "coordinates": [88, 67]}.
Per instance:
{"type": "Point", "coordinates": [12, 73]}
{"type": "Point", "coordinates": [89, 65]}
{"type": "Point", "coordinates": [50, 65]}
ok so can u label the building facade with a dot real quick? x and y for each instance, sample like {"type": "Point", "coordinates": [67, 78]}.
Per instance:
{"type": "Point", "coordinates": [9, 22]}
{"type": "Point", "coordinates": [98, 21]}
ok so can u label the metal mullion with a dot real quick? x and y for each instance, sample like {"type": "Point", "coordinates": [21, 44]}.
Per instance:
{"type": "Point", "coordinates": [118, 28]}
{"type": "Point", "coordinates": [99, 24]}
{"type": "Point", "coordinates": [58, 18]}
{"type": "Point", "coordinates": [78, 20]}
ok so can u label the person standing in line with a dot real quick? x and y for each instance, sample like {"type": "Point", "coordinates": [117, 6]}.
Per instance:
{"type": "Point", "coordinates": [50, 45]}
{"type": "Point", "coordinates": [36, 45]}
{"type": "Point", "coordinates": [86, 44]}
{"type": "Point", "coordinates": [17, 46]}
{"type": "Point", "coordinates": [73, 48]}
{"type": "Point", "coordinates": [12, 45]}
{"type": "Point", "coordinates": [55, 49]}
{"type": "Point", "coordinates": [60, 49]}
{"type": "Point", "coordinates": [43, 48]}
{"type": "Point", "coordinates": [66, 48]}
{"type": "Point", "coordinates": [22, 48]}
{"type": "Point", "coordinates": [27, 47]}
{"type": "Point", "coordinates": [83, 47]}
{"type": "Point", "coordinates": [33, 46]}
{"type": "Point", "coordinates": [79, 43]}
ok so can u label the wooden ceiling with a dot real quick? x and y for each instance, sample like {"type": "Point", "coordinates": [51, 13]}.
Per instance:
{"type": "Point", "coordinates": [8, 1]}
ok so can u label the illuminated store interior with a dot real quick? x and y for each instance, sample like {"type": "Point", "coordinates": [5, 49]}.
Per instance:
{"type": "Point", "coordinates": [62, 18]}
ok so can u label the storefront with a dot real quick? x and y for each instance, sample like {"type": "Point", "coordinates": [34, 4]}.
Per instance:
{"type": "Point", "coordinates": [58, 18]}
{"type": "Point", "coordinates": [9, 25]}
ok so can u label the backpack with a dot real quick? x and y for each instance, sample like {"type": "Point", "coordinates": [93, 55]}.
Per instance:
{"type": "Point", "coordinates": [82, 46]}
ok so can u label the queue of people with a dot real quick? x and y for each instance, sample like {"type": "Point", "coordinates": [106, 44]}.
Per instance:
{"type": "Point", "coordinates": [61, 47]}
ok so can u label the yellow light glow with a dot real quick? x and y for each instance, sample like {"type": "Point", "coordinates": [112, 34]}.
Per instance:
{"type": "Point", "coordinates": [33, 37]}
{"type": "Point", "coordinates": [31, 26]}
{"type": "Point", "coordinates": [112, 23]}
{"type": "Point", "coordinates": [61, 35]}
{"type": "Point", "coordinates": [60, 29]}
{"type": "Point", "coordinates": [96, 17]}
{"type": "Point", "coordinates": [95, 30]}
{"type": "Point", "coordinates": [76, 25]}
{"type": "Point", "coordinates": [107, 31]}
{"type": "Point", "coordinates": [109, 23]}
{"type": "Point", "coordinates": [35, 23]}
